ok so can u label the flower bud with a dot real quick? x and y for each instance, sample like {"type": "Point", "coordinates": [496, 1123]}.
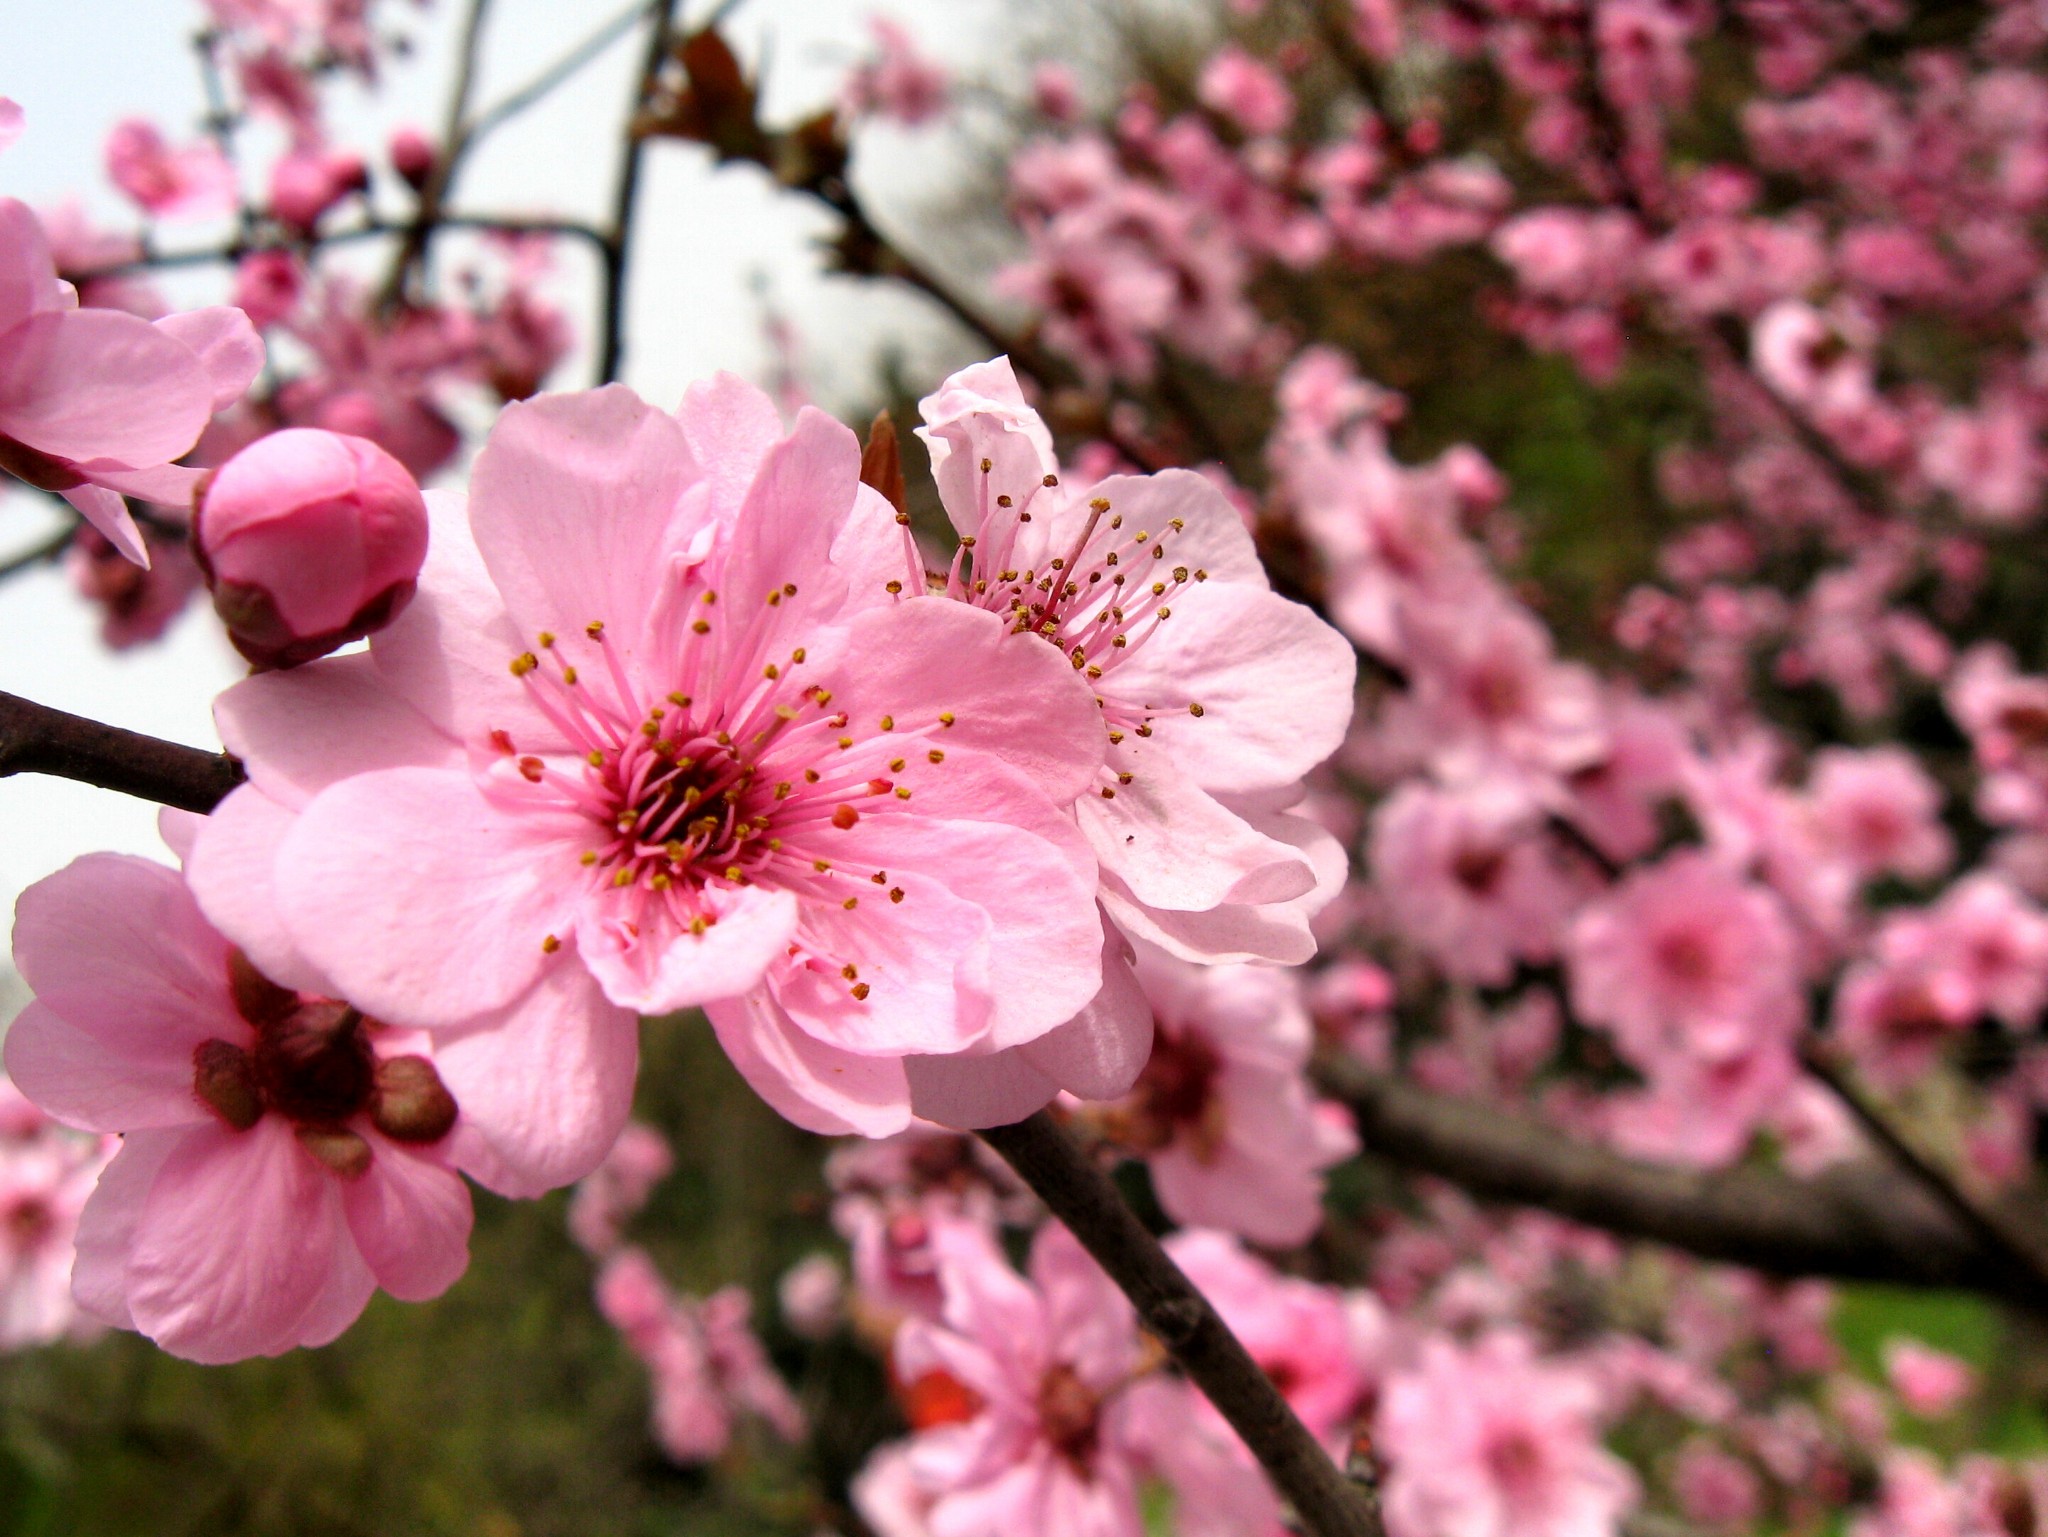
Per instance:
{"type": "Point", "coordinates": [412, 156]}
{"type": "Point", "coordinates": [309, 540]}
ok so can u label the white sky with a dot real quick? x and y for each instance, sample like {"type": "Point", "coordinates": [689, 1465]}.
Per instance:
{"type": "Point", "coordinates": [77, 66]}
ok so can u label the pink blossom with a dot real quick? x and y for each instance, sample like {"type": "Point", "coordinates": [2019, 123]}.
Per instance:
{"type": "Point", "coordinates": [1489, 1441]}
{"type": "Point", "coordinates": [899, 83]}
{"type": "Point", "coordinates": [1469, 878]}
{"type": "Point", "coordinates": [137, 604]}
{"type": "Point", "coordinates": [268, 285]}
{"type": "Point", "coordinates": [812, 1296]}
{"type": "Point", "coordinates": [412, 154]}
{"type": "Point", "coordinates": [1314, 1342]}
{"type": "Point", "coordinates": [308, 540]}
{"type": "Point", "coordinates": [1039, 1434]}
{"type": "Point", "coordinates": [1878, 811]}
{"type": "Point", "coordinates": [708, 1367]}
{"type": "Point", "coordinates": [1683, 947]}
{"type": "Point", "coordinates": [1988, 460]}
{"type": "Point", "coordinates": [188, 183]}
{"type": "Point", "coordinates": [1222, 1112]}
{"type": "Point", "coordinates": [46, 1174]}
{"type": "Point", "coordinates": [1931, 1383]}
{"type": "Point", "coordinates": [309, 180]}
{"type": "Point", "coordinates": [95, 404]}
{"type": "Point", "coordinates": [1056, 93]}
{"type": "Point", "coordinates": [612, 1194]}
{"type": "Point", "coordinates": [281, 1159]}
{"type": "Point", "coordinates": [893, 876]}
{"type": "Point", "coordinates": [1245, 91]}
{"type": "Point", "coordinates": [1715, 1488]}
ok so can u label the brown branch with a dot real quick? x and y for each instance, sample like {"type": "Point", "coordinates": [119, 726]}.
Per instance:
{"type": "Point", "coordinates": [618, 240]}
{"type": "Point", "coordinates": [1173, 1311]}
{"type": "Point", "coordinates": [35, 739]}
{"type": "Point", "coordinates": [370, 229]}
{"type": "Point", "coordinates": [441, 178]}
{"type": "Point", "coordinates": [1853, 1222]}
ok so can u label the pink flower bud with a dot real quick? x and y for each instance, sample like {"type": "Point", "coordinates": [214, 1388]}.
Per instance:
{"type": "Point", "coordinates": [309, 540]}
{"type": "Point", "coordinates": [412, 156]}
{"type": "Point", "coordinates": [308, 182]}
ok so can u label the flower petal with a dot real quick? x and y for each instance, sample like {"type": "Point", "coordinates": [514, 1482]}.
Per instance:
{"type": "Point", "coordinates": [805, 1081]}
{"type": "Point", "coordinates": [77, 1079]}
{"type": "Point", "coordinates": [968, 1092]}
{"type": "Point", "coordinates": [410, 1217]}
{"type": "Point", "coordinates": [653, 972]}
{"type": "Point", "coordinates": [225, 343]}
{"type": "Point", "coordinates": [102, 384]}
{"type": "Point", "coordinates": [232, 870]}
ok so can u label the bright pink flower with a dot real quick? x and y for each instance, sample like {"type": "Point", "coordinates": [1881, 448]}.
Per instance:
{"type": "Point", "coordinates": [281, 1160]}
{"type": "Point", "coordinates": [1983, 940]}
{"type": "Point", "coordinates": [268, 285]}
{"type": "Point", "coordinates": [1929, 1382]}
{"type": "Point", "coordinates": [1308, 1338]}
{"type": "Point", "coordinates": [899, 83]}
{"type": "Point", "coordinates": [309, 540]}
{"type": "Point", "coordinates": [1468, 877]}
{"type": "Point", "coordinates": [708, 1367]}
{"type": "Point", "coordinates": [1245, 91]}
{"type": "Point", "coordinates": [611, 1195]}
{"type": "Point", "coordinates": [1879, 811]}
{"type": "Point", "coordinates": [95, 404]}
{"type": "Point", "coordinates": [1222, 1112]}
{"type": "Point", "coordinates": [1686, 955]}
{"type": "Point", "coordinates": [308, 180]}
{"type": "Point", "coordinates": [1489, 1441]}
{"type": "Point", "coordinates": [193, 182]}
{"type": "Point", "coordinates": [644, 749]}
{"type": "Point", "coordinates": [1041, 1371]}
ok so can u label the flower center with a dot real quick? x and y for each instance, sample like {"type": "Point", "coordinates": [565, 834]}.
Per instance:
{"type": "Point", "coordinates": [1069, 1416]}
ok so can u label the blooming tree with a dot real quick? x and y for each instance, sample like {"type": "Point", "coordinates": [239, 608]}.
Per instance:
{"type": "Point", "coordinates": [1367, 982]}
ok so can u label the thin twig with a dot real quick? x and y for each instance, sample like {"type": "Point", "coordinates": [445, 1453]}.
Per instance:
{"type": "Point", "coordinates": [40, 553]}
{"type": "Point", "coordinates": [2005, 1246]}
{"type": "Point", "coordinates": [1180, 1317]}
{"type": "Point", "coordinates": [555, 75]}
{"type": "Point", "coordinates": [370, 229]}
{"type": "Point", "coordinates": [35, 739]}
{"type": "Point", "coordinates": [441, 178]}
{"type": "Point", "coordinates": [626, 194]}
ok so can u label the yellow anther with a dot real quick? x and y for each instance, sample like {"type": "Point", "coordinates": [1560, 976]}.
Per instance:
{"type": "Point", "coordinates": [796, 657]}
{"type": "Point", "coordinates": [594, 758]}
{"type": "Point", "coordinates": [1195, 710]}
{"type": "Point", "coordinates": [888, 723]}
{"type": "Point", "coordinates": [860, 990]}
{"type": "Point", "coordinates": [594, 629]}
{"type": "Point", "coordinates": [701, 626]}
{"type": "Point", "coordinates": [588, 856]}
{"type": "Point", "coordinates": [524, 663]}
{"type": "Point", "coordinates": [945, 717]}
{"type": "Point", "coordinates": [895, 893]}
{"type": "Point", "coordinates": [935, 756]}
{"type": "Point", "coordinates": [850, 903]}
{"type": "Point", "coordinates": [622, 878]}
{"type": "Point", "coordinates": [902, 793]}
{"type": "Point", "coordinates": [549, 944]}
{"type": "Point", "coordinates": [771, 672]}
{"type": "Point", "coordinates": [892, 588]}
{"type": "Point", "coordinates": [546, 639]}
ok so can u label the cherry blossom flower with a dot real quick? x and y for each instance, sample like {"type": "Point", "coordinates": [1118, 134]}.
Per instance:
{"type": "Point", "coordinates": [644, 751]}
{"type": "Point", "coordinates": [1222, 1112]}
{"type": "Point", "coordinates": [1245, 91]}
{"type": "Point", "coordinates": [1487, 1440]}
{"type": "Point", "coordinates": [46, 1174]}
{"type": "Point", "coordinates": [193, 182]}
{"type": "Point", "coordinates": [96, 403]}
{"type": "Point", "coordinates": [899, 83]}
{"type": "Point", "coordinates": [1880, 812]}
{"type": "Point", "coordinates": [610, 1195]}
{"type": "Point", "coordinates": [1929, 1382]}
{"type": "Point", "coordinates": [282, 1157]}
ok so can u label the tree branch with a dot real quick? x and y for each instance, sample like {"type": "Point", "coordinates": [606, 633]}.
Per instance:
{"type": "Point", "coordinates": [454, 133]}
{"type": "Point", "coordinates": [35, 739]}
{"type": "Point", "coordinates": [1078, 1193]}
{"type": "Point", "coordinates": [1856, 1222]}
{"type": "Point", "coordinates": [626, 195]}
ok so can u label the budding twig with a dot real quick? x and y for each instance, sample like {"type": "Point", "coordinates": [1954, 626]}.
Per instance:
{"type": "Point", "coordinates": [1180, 1317]}
{"type": "Point", "coordinates": [35, 739]}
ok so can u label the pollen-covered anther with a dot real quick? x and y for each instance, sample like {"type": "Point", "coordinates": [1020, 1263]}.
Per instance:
{"type": "Point", "coordinates": [1196, 711]}
{"type": "Point", "coordinates": [549, 944]}
{"type": "Point", "coordinates": [594, 629]}
{"type": "Point", "coordinates": [895, 893]}
{"type": "Point", "coordinates": [935, 756]}
{"type": "Point", "coordinates": [860, 990]}
{"type": "Point", "coordinates": [844, 817]}
{"type": "Point", "coordinates": [524, 663]}
{"type": "Point", "coordinates": [888, 723]}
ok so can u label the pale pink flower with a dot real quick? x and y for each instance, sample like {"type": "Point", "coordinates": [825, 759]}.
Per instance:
{"type": "Point", "coordinates": [886, 1494]}
{"type": "Point", "coordinates": [1038, 1433]}
{"type": "Point", "coordinates": [282, 1158]}
{"type": "Point", "coordinates": [899, 83]}
{"type": "Point", "coordinates": [1056, 93]}
{"type": "Point", "coordinates": [1312, 1340]}
{"type": "Point", "coordinates": [643, 749]}
{"type": "Point", "coordinates": [1487, 1440]}
{"type": "Point", "coordinates": [1988, 460]}
{"type": "Point", "coordinates": [96, 403]}
{"type": "Point", "coordinates": [46, 1174]}
{"type": "Point", "coordinates": [709, 1368]}
{"type": "Point", "coordinates": [1989, 939]}
{"type": "Point", "coordinates": [1879, 811]}
{"type": "Point", "coordinates": [1686, 955]}
{"type": "Point", "coordinates": [1468, 876]}
{"type": "Point", "coordinates": [1929, 1382]}
{"type": "Point", "coordinates": [1222, 1112]}
{"type": "Point", "coordinates": [1616, 799]}
{"type": "Point", "coordinates": [188, 183]}
{"type": "Point", "coordinates": [1246, 91]}
{"type": "Point", "coordinates": [611, 1195]}
{"type": "Point", "coordinates": [812, 1296]}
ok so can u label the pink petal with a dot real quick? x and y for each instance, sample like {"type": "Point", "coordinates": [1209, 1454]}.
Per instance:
{"type": "Point", "coordinates": [543, 1087]}
{"type": "Point", "coordinates": [1277, 932]}
{"type": "Point", "coordinates": [178, 829]}
{"type": "Point", "coordinates": [652, 977]}
{"type": "Point", "coordinates": [410, 1217]}
{"type": "Point", "coordinates": [341, 1301]}
{"type": "Point", "coordinates": [225, 343]}
{"type": "Point", "coordinates": [574, 502]}
{"type": "Point", "coordinates": [805, 1081]}
{"type": "Point", "coordinates": [110, 515]}
{"type": "Point", "coordinates": [235, 1244]}
{"type": "Point", "coordinates": [730, 426]}
{"type": "Point", "coordinates": [11, 122]}
{"type": "Point", "coordinates": [1009, 695]}
{"type": "Point", "coordinates": [448, 652]}
{"type": "Point", "coordinates": [167, 485]}
{"type": "Point", "coordinates": [1273, 680]}
{"type": "Point", "coordinates": [232, 870]}
{"type": "Point", "coordinates": [795, 507]}
{"type": "Point", "coordinates": [117, 947]}
{"type": "Point", "coordinates": [301, 731]}
{"type": "Point", "coordinates": [1099, 1053]}
{"type": "Point", "coordinates": [28, 274]}
{"type": "Point", "coordinates": [106, 1228]}
{"type": "Point", "coordinates": [425, 903]}
{"type": "Point", "coordinates": [77, 1079]}
{"type": "Point", "coordinates": [966, 1092]}
{"type": "Point", "coordinates": [102, 384]}
{"type": "Point", "coordinates": [1214, 538]}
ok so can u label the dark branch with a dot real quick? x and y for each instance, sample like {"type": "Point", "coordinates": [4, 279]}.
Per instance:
{"type": "Point", "coordinates": [441, 179]}
{"type": "Point", "coordinates": [618, 241]}
{"type": "Point", "coordinates": [1856, 1222]}
{"type": "Point", "coordinates": [35, 739]}
{"type": "Point", "coordinates": [1182, 1320]}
